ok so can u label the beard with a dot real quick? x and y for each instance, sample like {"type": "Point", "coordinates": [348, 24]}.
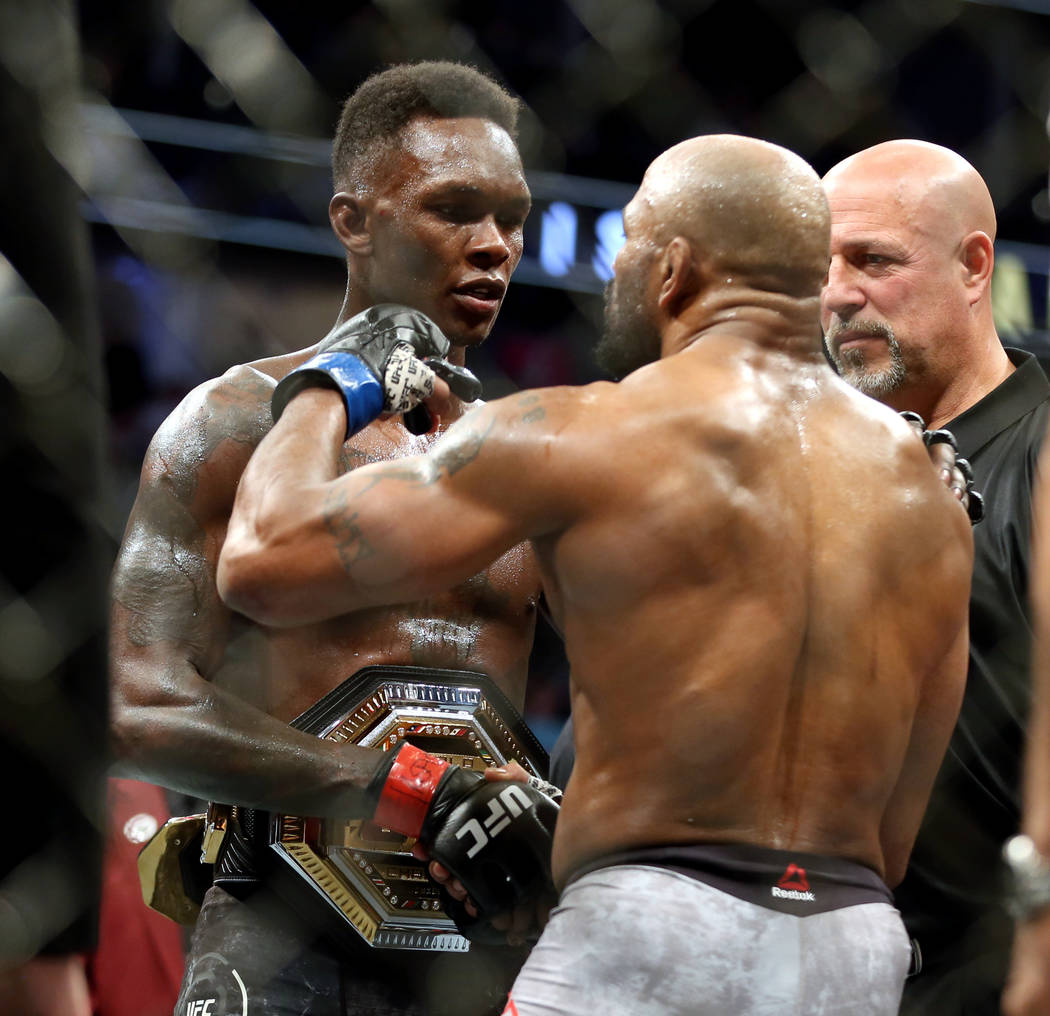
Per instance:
{"type": "Point", "coordinates": [851, 363]}
{"type": "Point", "coordinates": [629, 339]}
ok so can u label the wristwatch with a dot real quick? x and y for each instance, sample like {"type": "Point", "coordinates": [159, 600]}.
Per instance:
{"type": "Point", "coordinates": [1031, 877]}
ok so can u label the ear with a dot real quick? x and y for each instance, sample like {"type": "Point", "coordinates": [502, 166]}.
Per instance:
{"type": "Point", "coordinates": [679, 281]}
{"type": "Point", "coordinates": [350, 218]}
{"type": "Point", "coordinates": [977, 257]}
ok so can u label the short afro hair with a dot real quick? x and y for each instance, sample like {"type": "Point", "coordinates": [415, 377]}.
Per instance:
{"type": "Point", "coordinates": [388, 100]}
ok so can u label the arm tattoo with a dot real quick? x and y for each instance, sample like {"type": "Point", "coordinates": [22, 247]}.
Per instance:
{"type": "Point", "coordinates": [533, 409]}
{"type": "Point", "coordinates": [343, 522]}
{"type": "Point", "coordinates": [350, 543]}
{"type": "Point", "coordinates": [453, 458]}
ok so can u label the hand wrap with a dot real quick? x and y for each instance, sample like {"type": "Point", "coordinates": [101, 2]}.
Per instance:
{"type": "Point", "coordinates": [493, 835]}
{"type": "Point", "coordinates": [381, 360]}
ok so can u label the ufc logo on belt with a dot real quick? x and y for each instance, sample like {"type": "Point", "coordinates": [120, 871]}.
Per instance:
{"type": "Point", "coordinates": [507, 805]}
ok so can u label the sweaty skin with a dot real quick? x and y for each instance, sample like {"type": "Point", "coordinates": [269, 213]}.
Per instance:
{"type": "Point", "coordinates": [762, 584]}
{"type": "Point", "coordinates": [202, 695]}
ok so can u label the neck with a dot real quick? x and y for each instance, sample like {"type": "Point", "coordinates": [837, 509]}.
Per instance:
{"type": "Point", "coordinates": [771, 320]}
{"type": "Point", "coordinates": [964, 389]}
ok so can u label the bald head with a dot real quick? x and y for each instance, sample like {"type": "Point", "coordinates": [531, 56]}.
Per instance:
{"type": "Point", "coordinates": [752, 209]}
{"type": "Point", "coordinates": [719, 218]}
{"type": "Point", "coordinates": [906, 309]}
{"type": "Point", "coordinates": [932, 186]}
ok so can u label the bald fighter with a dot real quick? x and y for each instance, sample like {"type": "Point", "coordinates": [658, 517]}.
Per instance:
{"type": "Point", "coordinates": [730, 539]}
{"type": "Point", "coordinates": [907, 314]}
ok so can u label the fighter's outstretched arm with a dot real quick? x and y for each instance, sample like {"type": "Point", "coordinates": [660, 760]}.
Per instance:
{"type": "Point", "coordinates": [305, 543]}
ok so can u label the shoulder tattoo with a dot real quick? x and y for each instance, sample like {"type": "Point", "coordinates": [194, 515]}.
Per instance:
{"type": "Point", "coordinates": [531, 406]}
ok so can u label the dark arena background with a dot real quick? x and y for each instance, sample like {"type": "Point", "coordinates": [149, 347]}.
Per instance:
{"type": "Point", "coordinates": [206, 126]}
{"type": "Point", "coordinates": [164, 216]}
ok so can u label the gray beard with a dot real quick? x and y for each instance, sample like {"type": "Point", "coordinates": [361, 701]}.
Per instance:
{"type": "Point", "coordinates": [853, 368]}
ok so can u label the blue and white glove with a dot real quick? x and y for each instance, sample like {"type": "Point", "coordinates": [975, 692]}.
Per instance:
{"type": "Point", "coordinates": [383, 360]}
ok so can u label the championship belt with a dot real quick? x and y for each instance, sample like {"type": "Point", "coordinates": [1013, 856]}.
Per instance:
{"type": "Point", "coordinates": [365, 876]}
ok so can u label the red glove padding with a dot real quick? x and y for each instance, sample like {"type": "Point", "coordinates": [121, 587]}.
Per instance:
{"type": "Point", "coordinates": [494, 836]}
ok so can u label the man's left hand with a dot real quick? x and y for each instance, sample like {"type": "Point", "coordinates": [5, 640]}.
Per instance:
{"type": "Point", "coordinates": [524, 922]}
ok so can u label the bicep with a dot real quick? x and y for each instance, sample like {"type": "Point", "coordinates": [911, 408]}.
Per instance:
{"type": "Point", "coordinates": [410, 529]}
{"type": "Point", "coordinates": [303, 549]}
{"type": "Point", "coordinates": [165, 608]}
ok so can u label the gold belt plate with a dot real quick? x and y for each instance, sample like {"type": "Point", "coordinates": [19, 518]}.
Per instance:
{"type": "Point", "coordinates": [366, 875]}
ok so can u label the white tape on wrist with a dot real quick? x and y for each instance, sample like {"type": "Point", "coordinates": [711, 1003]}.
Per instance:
{"type": "Point", "coordinates": [407, 381]}
{"type": "Point", "coordinates": [553, 792]}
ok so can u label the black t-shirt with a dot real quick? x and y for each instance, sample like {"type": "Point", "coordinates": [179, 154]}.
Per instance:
{"type": "Point", "coordinates": [950, 898]}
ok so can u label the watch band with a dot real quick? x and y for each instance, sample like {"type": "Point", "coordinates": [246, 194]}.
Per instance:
{"type": "Point", "coordinates": [1031, 877]}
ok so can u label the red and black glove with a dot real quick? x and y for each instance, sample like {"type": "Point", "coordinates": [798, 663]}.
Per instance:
{"type": "Point", "coordinates": [493, 835]}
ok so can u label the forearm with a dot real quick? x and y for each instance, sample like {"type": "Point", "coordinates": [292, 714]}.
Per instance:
{"type": "Point", "coordinates": [278, 561]}
{"type": "Point", "coordinates": [1036, 821]}
{"type": "Point", "coordinates": [280, 489]}
{"type": "Point", "coordinates": [307, 542]}
{"type": "Point", "coordinates": [1036, 815]}
{"type": "Point", "coordinates": [201, 740]}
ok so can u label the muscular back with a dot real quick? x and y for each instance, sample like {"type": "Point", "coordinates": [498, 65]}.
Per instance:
{"type": "Point", "coordinates": [763, 591]}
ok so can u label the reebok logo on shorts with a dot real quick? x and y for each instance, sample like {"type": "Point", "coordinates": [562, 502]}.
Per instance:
{"type": "Point", "coordinates": [793, 885]}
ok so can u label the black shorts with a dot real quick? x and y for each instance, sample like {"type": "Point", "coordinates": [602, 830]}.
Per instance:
{"type": "Point", "coordinates": [258, 958]}
{"type": "Point", "coordinates": [788, 881]}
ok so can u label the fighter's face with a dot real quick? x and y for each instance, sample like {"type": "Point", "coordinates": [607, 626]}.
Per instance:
{"type": "Point", "coordinates": [893, 294]}
{"type": "Point", "coordinates": [630, 338]}
{"type": "Point", "coordinates": [450, 205]}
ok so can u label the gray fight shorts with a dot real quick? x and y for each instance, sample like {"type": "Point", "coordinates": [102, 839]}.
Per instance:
{"type": "Point", "coordinates": [641, 940]}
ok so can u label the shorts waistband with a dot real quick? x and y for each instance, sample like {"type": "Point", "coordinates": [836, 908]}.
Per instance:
{"type": "Point", "coordinates": [788, 881]}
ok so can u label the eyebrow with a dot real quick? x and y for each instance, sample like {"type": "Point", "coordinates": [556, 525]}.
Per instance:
{"type": "Point", "coordinates": [473, 191]}
{"type": "Point", "coordinates": [872, 243]}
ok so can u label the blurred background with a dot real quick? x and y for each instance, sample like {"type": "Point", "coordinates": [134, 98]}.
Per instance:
{"type": "Point", "coordinates": [195, 137]}
{"type": "Point", "coordinates": [207, 124]}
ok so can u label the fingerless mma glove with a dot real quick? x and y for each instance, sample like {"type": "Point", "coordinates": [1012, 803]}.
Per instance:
{"type": "Point", "coordinates": [493, 835]}
{"type": "Point", "coordinates": [381, 360]}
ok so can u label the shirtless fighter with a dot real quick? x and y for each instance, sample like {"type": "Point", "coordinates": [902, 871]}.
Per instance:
{"type": "Point", "coordinates": [762, 585]}
{"type": "Point", "coordinates": [430, 203]}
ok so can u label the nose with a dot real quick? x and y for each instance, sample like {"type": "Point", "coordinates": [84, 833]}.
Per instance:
{"type": "Point", "coordinates": [842, 294]}
{"type": "Point", "coordinates": [489, 246]}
